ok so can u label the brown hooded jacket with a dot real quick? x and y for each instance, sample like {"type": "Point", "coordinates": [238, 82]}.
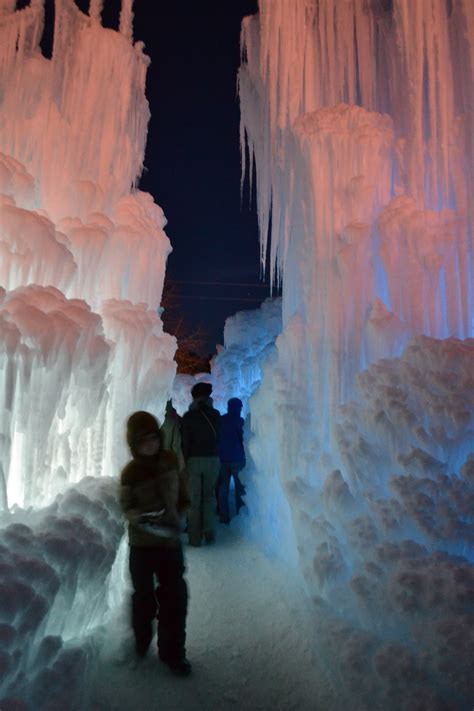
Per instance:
{"type": "Point", "coordinates": [151, 485]}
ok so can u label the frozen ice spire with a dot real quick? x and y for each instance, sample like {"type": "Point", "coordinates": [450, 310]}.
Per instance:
{"type": "Point", "coordinates": [411, 60]}
{"type": "Point", "coordinates": [20, 33]}
{"type": "Point", "coordinates": [126, 20]}
{"type": "Point", "coordinates": [82, 252]}
{"type": "Point", "coordinates": [96, 78]}
{"type": "Point", "coordinates": [359, 116]}
{"type": "Point", "coordinates": [95, 9]}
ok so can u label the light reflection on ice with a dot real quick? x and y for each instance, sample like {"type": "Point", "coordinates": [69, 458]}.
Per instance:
{"type": "Point", "coordinates": [82, 264]}
{"type": "Point", "coordinates": [359, 119]}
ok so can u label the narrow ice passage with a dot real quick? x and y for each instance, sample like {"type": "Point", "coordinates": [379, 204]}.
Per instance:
{"type": "Point", "coordinates": [248, 640]}
{"type": "Point", "coordinates": [357, 120]}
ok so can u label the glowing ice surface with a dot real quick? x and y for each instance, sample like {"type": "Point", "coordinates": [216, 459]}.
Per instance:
{"type": "Point", "coordinates": [358, 118]}
{"type": "Point", "coordinates": [83, 253]}
{"type": "Point", "coordinates": [82, 263]}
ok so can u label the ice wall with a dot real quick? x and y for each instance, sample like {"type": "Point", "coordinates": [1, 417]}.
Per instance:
{"type": "Point", "coordinates": [55, 564]}
{"type": "Point", "coordinates": [82, 263]}
{"type": "Point", "coordinates": [237, 370]}
{"type": "Point", "coordinates": [376, 174]}
{"type": "Point", "coordinates": [83, 252]}
{"type": "Point", "coordinates": [358, 118]}
{"type": "Point", "coordinates": [249, 337]}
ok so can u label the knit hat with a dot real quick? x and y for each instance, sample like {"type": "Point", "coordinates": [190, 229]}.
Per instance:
{"type": "Point", "coordinates": [201, 390]}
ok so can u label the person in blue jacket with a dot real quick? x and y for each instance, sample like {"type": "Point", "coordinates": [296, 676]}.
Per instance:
{"type": "Point", "coordinates": [232, 456]}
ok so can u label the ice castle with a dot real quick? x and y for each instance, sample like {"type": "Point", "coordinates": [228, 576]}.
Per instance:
{"type": "Point", "coordinates": [357, 125]}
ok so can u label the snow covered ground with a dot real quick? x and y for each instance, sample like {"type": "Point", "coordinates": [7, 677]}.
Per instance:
{"type": "Point", "coordinates": [249, 640]}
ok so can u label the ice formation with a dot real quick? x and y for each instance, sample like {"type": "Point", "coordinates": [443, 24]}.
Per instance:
{"type": "Point", "coordinates": [55, 564]}
{"type": "Point", "coordinates": [358, 118]}
{"type": "Point", "coordinates": [83, 256]}
{"type": "Point", "coordinates": [83, 252]}
{"type": "Point", "coordinates": [249, 338]}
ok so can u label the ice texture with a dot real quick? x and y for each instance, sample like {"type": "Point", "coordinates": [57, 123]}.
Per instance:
{"type": "Point", "coordinates": [82, 263]}
{"type": "Point", "coordinates": [55, 564]}
{"type": "Point", "coordinates": [236, 369]}
{"type": "Point", "coordinates": [249, 337]}
{"type": "Point", "coordinates": [358, 120]}
{"type": "Point", "coordinates": [83, 252]}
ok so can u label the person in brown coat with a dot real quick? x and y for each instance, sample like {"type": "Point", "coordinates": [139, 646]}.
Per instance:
{"type": "Point", "coordinates": [153, 497]}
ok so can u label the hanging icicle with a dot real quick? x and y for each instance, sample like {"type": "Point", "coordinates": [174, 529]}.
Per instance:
{"type": "Point", "coordinates": [126, 20]}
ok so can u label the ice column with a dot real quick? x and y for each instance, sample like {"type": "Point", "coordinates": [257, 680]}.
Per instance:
{"type": "Point", "coordinates": [413, 62]}
{"type": "Point", "coordinates": [358, 118]}
{"type": "Point", "coordinates": [83, 252]}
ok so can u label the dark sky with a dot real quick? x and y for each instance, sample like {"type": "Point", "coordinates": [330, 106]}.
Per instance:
{"type": "Point", "coordinates": [193, 156]}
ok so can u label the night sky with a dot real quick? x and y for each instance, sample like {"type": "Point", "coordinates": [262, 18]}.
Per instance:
{"type": "Point", "coordinates": [193, 157]}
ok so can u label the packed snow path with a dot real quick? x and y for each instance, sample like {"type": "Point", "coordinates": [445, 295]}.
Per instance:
{"type": "Point", "coordinates": [248, 625]}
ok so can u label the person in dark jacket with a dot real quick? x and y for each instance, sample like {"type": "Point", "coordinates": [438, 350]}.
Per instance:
{"type": "Point", "coordinates": [171, 433]}
{"type": "Point", "coordinates": [153, 496]}
{"type": "Point", "coordinates": [232, 457]}
{"type": "Point", "coordinates": [200, 435]}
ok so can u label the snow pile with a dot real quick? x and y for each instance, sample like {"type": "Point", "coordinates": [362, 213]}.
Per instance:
{"type": "Point", "coordinates": [359, 119]}
{"type": "Point", "coordinates": [55, 564]}
{"type": "Point", "coordinates": [83, 254]}
{"type": "Point", "coordinates": [237, 371]}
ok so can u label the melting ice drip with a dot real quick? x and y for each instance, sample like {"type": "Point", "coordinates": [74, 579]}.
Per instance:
{"type": "Point", "coordinates": [358, 118]}
{"type": "Point", "coordinates": [83, 253]}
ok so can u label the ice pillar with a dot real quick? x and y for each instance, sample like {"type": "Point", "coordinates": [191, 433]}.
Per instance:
{"type": "Point", "coordinates": [358, 118]}
{"type": "Point", "coordinates": [83, 251]}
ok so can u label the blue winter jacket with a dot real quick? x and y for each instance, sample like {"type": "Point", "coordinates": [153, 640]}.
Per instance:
{"type": "Point", "coordinates": [231, 435]}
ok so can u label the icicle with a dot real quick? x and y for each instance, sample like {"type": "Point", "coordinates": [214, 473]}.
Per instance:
{"type": "Point", "coordinates": [126, 20]}
{"type": "Point", "coordinates": [400, 62]}
{"type": "Point", "coordinates": [372, 223]}
{"type": "Point", "coordinates": [95, 10]}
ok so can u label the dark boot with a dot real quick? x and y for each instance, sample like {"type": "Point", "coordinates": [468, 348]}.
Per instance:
{"type": "Point", "coordinates": [180, 667]}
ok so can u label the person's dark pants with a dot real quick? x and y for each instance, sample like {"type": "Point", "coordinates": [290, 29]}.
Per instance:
{"type": "Point", "coordinates": [203, 473]}
{"type": "Point", "coordinates": [228, 470]}
{"type": "Point", "coordinates": [167, 564]}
